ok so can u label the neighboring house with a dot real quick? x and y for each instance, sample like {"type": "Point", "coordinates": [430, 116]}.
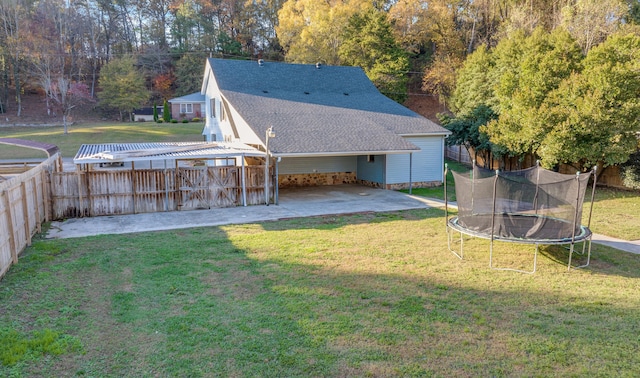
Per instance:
{"type": "Point", "coordinates": [187, 107]}
{"type": "Point", "coordinates": [145, 114]}
{"type": "Point", "coordinates": [331, 124]}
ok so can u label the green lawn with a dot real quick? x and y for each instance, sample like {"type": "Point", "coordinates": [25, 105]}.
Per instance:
{"type": "Point", "coordinates": [96, 133]}
{"type": "Point", "coordinates": [362, 295]}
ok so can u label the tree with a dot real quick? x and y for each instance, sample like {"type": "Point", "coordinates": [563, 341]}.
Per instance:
{"type": "Point", "coordinates": [163, 84]}
{"type": "Point", "coordinates": [312, 31]}
{"type": "Point", "coordinates": [595, 113]}
{"type": "Point", "coordinates": [474, 84]}
{"type": "Point", "coordinates": [189, 73]}
{"type": "Point", "coordinates": [527, 70]}
{"type": "Point", "coordinates": [12, 16]}
{"type": "Point", "coordinates": [590, 22]}
{"type": "Point", "coordinates": [465, 131]}
{"type": "Point", "coordinates": [369, 43]}
{"type": "Point", "coordinates": [448, 39]}
{"type": "Point", "coordinates": [166, 112]}
{"type": "Point", "coordinates": [66, 95]}
{"type": "Point", "coordinates": [155, 112]}
{"type": "Point", "coordinates": [123, 87]}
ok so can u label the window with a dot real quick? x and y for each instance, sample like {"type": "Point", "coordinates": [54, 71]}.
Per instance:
{"type": "Point", "coordinates": [213, 108]}
{"type": "Point", "coordinates": [371, 158]}
{"type": "Point", "coordinates": [186, 108]}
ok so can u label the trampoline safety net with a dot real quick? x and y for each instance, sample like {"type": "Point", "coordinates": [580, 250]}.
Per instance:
{"type": "Point", "coordinates": [529, 204]}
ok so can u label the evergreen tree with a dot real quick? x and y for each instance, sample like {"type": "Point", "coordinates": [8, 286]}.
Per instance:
{"type": "Point", "coordinates": [166, 112]}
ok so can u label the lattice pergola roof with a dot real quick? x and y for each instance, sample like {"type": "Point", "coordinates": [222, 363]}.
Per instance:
{"type": "Point", "coordinates": [131, 152]}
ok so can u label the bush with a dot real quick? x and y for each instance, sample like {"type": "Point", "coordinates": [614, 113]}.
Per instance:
{"type": "Point", "coordinates": [173, 120]}
{"type": "Point", "coordinates": [160, 120]}
{"type": "Point", "coordinates": [630, 171]}
{"type": "Point", "coordinates": [185, 121]}
{"type": "Point", "coordinates": [195, 119]}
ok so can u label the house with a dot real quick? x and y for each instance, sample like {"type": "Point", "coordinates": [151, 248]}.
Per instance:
{"type": "Point", "coordinates": [145, 114]}
{"type": "Point", "coordinates": [187, 107]}
{"type": "Point", "coordinates": [331, 125]}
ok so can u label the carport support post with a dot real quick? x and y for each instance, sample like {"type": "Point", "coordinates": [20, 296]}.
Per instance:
{"type": "Point", "coordinates": [268, 134]}
{"type": "Point", "coordinates": [166, 187]}
{"type": "Point", "coordinates": [133, 185]}
{"type": "Point", "coordinates": [276, 191]}
{"type": "Point", "coordinates": [410, 171]}
{"type": "Point", "coordinates": [244, 183]}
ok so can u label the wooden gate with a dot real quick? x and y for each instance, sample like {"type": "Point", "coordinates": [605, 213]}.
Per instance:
{"type": "Point", "coordinates": [207, 187]}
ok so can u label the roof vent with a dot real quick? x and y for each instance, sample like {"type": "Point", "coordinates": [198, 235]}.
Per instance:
{"type": "Point", "coordinates": [318, 65]}
{"type": "Point", "coordinates": [261, 62]}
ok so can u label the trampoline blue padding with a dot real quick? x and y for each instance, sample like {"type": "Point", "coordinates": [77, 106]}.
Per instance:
{"type": "Point", "coordinates": [522, 229]}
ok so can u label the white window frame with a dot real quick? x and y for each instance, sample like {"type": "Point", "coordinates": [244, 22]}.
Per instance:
{"type": "Point", "coordinates": [186, 108]}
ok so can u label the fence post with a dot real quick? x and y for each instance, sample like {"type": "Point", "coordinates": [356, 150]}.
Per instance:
{"type": "Point", "coordinates": [25, 211]}
{"type": "Point", "coordinates": [36, 203]}
{"type": "Point", "coordinates": [12, 241]}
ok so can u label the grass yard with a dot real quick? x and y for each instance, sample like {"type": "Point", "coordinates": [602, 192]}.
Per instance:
{"type": "Point", "coordinates": [359, 295]}
{"type": "Point", "coordinates": [96, 133]}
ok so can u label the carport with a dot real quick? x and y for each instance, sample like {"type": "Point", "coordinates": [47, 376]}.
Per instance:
{"type": "Point", "coordinates": [186, 175]}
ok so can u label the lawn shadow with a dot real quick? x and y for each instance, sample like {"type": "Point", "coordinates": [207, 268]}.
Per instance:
{"type": "Point", "coordinates": [285, 299]}
{"type": "Point", "coordinates": [335, 221]}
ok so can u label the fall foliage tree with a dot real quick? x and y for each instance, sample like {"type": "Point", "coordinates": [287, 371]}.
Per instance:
{"type": "Point", "coordinates": [66, 95]}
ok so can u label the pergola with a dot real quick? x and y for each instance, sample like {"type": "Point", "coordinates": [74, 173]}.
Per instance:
{"type": "Point", "coordinates": [216, 153]}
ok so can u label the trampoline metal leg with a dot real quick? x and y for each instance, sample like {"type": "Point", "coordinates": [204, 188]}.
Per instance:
{"type": "Point", "coordinates": [583, 248]}
{"type": "Point", "coordinates": [450, 241]}
{"type": "Point", "coordinates": [535, 261]}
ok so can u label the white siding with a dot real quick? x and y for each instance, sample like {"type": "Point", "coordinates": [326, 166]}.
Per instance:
{"type": "Point", "coordinates": [325, 164]}
{"type": "Point", "coordinates": [427, 164]}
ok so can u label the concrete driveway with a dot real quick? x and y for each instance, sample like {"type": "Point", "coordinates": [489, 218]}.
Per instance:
{"type": "Point", "coordinates": [293, 203]}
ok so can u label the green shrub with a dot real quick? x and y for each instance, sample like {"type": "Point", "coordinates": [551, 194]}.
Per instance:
{"type": "Point", "coordinates": [160, 120]}
{"type": "Point", "coordinates": [173, 120]}
{"type": "Point", "coordinates": [185, 120]}
{"type": "Point", "coordinates": [630, 171]}
{"type": "Point", "coordinates": [195, 119]}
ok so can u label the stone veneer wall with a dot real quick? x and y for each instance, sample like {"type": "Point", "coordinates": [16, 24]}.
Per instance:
{"type": "Point", "coordinates": [316, 179]}
{"type": "Point", "coordinates": [338, 178]}
{"type": "Point", "coordinates": [414, 185]}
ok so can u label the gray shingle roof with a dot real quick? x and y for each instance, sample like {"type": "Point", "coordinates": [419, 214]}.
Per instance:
{"type": "Point", "coordinates": [326, 110]}
{"type": "Point", "coordinates": [193, 97]}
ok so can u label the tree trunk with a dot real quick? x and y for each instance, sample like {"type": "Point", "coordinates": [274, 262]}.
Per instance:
{"type": "Point", "coordinates": [16, 80]}
{"type": "Point", "coordinates": [64, 122]}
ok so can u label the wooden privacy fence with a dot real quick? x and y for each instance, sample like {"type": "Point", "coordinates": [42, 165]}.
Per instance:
{"type": "Point", "coordinates": [111, 192]}
{"type": "Point", "coordinates": [24, 206]}
{"type": "Point", "coordinates": [610, 176]}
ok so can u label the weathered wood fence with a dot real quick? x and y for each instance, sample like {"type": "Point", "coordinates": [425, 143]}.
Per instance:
{"type": "Point", "coordinates": [610, 176]}
{"type": "Point", "coordinates": [24, 206]}
{"type": "Point", "coordinates": [119, 191]}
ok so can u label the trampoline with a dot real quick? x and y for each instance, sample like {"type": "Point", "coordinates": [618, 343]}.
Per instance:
{"type": "Point", "coordinates": [529, 206]}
